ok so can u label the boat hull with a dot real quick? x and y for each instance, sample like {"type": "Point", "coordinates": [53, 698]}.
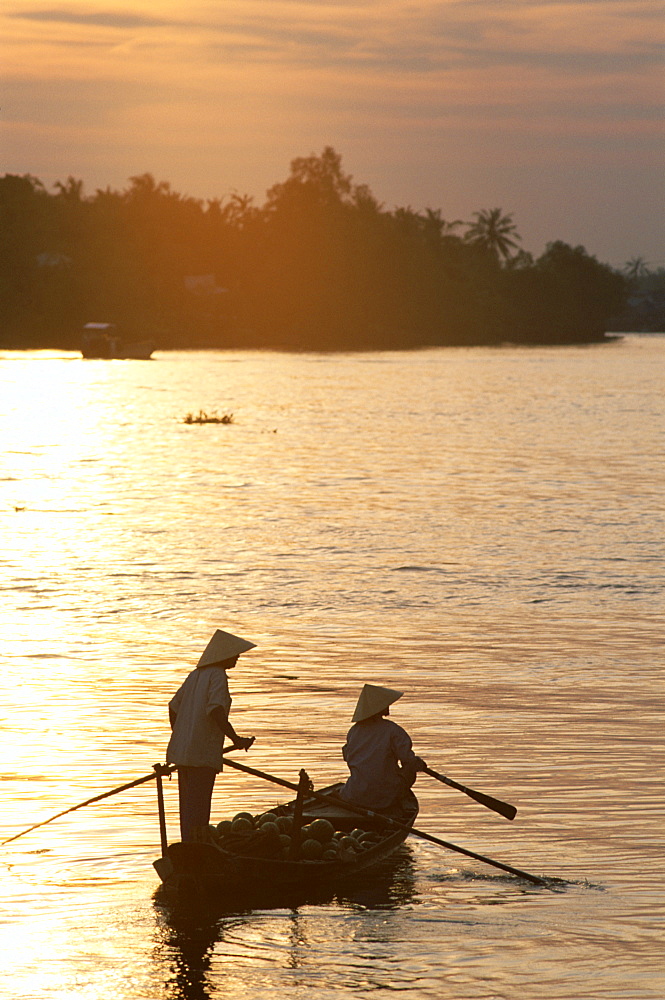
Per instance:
{"type": "Point", "coordinates": [138, 351]}
{"type": "Point", "coordinates": [104, 340]}
{"type": "Point", "coordinates": [207, 868]}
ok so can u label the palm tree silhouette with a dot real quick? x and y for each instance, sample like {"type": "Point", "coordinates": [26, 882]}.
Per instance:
{"type": "Point", "coordinates": [495, 231]}
{"type": "Point", "coordinates": [636, 268]}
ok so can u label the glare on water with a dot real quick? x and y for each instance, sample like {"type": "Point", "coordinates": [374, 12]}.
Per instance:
{"type": "Point", "coordinates": [480, 528]}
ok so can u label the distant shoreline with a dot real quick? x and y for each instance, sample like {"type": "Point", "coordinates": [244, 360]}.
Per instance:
{"type": "Point", "coordinates": [608, 338]}
{"type": "Point", "coordinates": [321, 266]}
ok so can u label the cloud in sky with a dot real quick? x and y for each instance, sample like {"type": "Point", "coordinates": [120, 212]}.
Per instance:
{"type": "Point", "coordinates": [549, 109]}
{"type": "Point", "coordinates": [109, 19]}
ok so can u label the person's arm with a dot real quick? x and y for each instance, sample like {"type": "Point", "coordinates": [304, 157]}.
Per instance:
{"type": "Point", "coordinates": [410, 764]}
{"type": "Point", "coordinates": [221, 718]}
{"type": "Point", "coordinates": [174, 707]}
{"type": "Point", "coordinates": [408, 772]}
{"type": "Point", "coordinates": [411, 767]}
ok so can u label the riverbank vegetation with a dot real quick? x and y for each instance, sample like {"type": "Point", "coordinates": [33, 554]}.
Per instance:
{"type": "Point", "coordinates": [321, 265]}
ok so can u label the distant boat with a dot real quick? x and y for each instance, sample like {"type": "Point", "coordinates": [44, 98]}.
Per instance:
{"type": "Point", "coordinates": [102, 340]}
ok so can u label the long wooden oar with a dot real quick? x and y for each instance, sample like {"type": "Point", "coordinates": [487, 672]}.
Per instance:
{"type": "Point", "coordinates": [159, 769]}
{"type": "Point", "coordinates": [95, 798]}
{"type": "Point", "coordinates": [503, 808]}
{"type": "Point", "coordinates": [391, 822]}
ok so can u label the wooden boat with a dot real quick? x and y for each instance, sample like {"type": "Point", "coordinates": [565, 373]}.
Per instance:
{"type": "Point", "coordinates": [216, 868]}
{"type": "Point", "coordinates": [102, 340]}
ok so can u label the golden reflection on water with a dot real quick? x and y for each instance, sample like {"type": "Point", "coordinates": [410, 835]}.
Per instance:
{"type": "Point", "coordinates": [481, 529]}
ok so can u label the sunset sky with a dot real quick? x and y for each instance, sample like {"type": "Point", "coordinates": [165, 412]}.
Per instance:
{"type": "Point", "coordinates": [549, 110]}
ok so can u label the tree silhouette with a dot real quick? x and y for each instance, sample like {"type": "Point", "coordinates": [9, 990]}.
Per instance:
{"type": "Point", "coordinates": [636, 268]}
{"type": "Point", "coordinates": [321, 265]}
{"type": "Point", "coordinates": [314, 180]}
{"type": "Point", "coordinates": [494, 231]}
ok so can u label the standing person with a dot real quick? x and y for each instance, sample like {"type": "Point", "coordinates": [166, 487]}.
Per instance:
{"type": "Point", "coordinates": [379, 755]}
{"type": "Point", "coordinates": [199, 717]}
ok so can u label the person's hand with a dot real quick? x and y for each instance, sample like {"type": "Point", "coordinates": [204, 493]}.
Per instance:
{"type": "Point", "coordinates": [244, 742]}
{"type": "Point", "coordinates": [420, 764]}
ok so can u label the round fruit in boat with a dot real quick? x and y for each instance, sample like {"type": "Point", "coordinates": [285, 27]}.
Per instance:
{"type": "Point", "coordinates": [244, 815]}
{"type": "Point", "coordinates": [311, 850]}
{"type": "Point", "coordinates": [321, 829]}
{"type": "Point", "coordinates": [242, 825]}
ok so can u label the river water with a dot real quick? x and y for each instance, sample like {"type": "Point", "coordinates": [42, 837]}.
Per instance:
{"type": "Point", "coordinates": [479, 528]}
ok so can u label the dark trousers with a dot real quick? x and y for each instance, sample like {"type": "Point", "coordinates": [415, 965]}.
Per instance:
{"type": "Point", "coordinates": [195, 785]}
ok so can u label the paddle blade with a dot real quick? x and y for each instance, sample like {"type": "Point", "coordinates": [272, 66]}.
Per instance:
{"type": "Point", "coordinates": [503, 808]}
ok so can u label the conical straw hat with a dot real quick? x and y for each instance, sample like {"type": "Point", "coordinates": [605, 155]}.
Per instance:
{"type": "Point", "coordinates": [223, 646]}
{"type": "Point", "coordinates": [372, 700]}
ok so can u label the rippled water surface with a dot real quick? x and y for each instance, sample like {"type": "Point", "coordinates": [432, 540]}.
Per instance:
{"type": "Point", "coordinates": [482, 529]}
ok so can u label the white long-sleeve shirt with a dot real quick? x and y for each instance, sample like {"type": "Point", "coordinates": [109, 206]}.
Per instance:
{"type": "Point", "coordinates": [374, 750]}
{"type": "Point", "coordinates": [197, 740]}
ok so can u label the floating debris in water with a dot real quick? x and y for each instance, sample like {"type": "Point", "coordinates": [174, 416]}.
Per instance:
{"type": "Point", "coordinates": [208, 418]}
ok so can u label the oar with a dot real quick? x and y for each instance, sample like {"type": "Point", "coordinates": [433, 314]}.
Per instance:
{"type": "Point", "coordinates": [159, 769]}
{"type": "Point", "coordinates": [391, 822]}
{"type": "Point", "coordinates": [503, 808]}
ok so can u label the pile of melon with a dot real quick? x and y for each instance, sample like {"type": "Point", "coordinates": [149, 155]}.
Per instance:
{"type": "Point", "coordinates": [269, 835]}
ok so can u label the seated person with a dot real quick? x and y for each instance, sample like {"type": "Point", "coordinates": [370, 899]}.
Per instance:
{"type": "Point", "coordinates": [379, 755]}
